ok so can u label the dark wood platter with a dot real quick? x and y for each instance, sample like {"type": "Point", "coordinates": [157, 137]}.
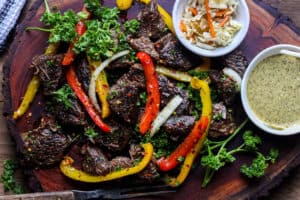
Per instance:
{"type": "Point", "coordinates": [268, 27]}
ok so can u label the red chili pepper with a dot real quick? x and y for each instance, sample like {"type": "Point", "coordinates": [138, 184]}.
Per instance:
{"type": "Point", "coordinates": [185, 147]}
{"type": "Point", "coordinates": [84, 99]}
{"type": "Point", "coordinates": [153, 99]}
{"type": "Point", "coordinates": [80, 29]}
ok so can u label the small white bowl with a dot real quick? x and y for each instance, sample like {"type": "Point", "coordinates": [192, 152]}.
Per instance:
{"type": "Point", "coordinates": [274, 50]}
{"type": "Point", "coordinates": [243, 17]}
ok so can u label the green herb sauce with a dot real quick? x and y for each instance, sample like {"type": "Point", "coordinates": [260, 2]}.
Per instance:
{"type": "Point", "coordinates": [273, 91]}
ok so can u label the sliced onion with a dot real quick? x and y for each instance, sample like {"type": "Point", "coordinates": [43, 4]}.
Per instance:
{"type": "Point", "coordinates": [95, 74]}
{"type": "Point", "coordinates": [166, 112]}
{"type": "Point", "coordinates": [234, 76]}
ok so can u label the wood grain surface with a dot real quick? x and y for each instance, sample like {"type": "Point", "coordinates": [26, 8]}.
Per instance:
{"type": "Point", "coordinates": [7, 148]}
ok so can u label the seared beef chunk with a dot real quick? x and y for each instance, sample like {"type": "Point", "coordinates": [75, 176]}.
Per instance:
{"type": "Point", "coordinates": [45, 145]}
{"type": "Point", "coordinates": [124, 94]}
{"type": "Point", "coordinates": [73, 115]}
{"type": "Point", "coordinates": [83, 73]}
{"type": "Point", "coordinates": [236, 61]}
{"type": "Point", "coordinates": [179, 126]}
{"type": "Point", "coordinates": [121, 162]}
{"type": "Point", "coordinates": [121, 63]}
{"type": "Point", "coordinates": [222, 123]}
{"type": "Point", "coordinates": [144, 44]}
{"type": "Point", "coordinates": [95, 161]}
{"type": "Point", "coordinates": [150, 173]}
{"type": "Point", "coordinates": [152, 25]}
{"type": "Point", "coordinates": [172, 54]}
{"type": "Point", "coordinates": [226, 86]}
{"type": "Point", "coordinates": [117, 140]}
{"type": "Point", "coordinates": [168, 90]}
{"type": "Point", "coordinates": [49, 69]}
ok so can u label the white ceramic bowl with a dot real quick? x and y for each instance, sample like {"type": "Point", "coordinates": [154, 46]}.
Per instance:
{"type": "Point", "coordinates": [242, 17]}
{"type": "Point", "coordinates": [274, 50]}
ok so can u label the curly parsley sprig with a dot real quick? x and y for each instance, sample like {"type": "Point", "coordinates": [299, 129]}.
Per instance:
{"type": "Point", "coordinates": [8, 179]}
{"type": "Point", "coordinates": [217, 155]}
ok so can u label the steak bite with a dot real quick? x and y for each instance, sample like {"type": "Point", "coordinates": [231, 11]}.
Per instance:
{"type": "Point", "coordinates": [144, 44]}
{"type": "Point", "coordinates": [236, 61]}
{"type": "Point", "coordinates": [172, 54]}
{"type": "Point", "coordinates": [227, 87]}
{"type": "Point", "coordinates": [222, 123]}
{"type": "Point", "coordinates": [168, 90]}
{"type": "Point", "coordinates": [45, 145]}
{"type": "Point", "coordinates": [124, 95]}
{"type": "Point", "coordinates": [117, 140]}
{"type": "Point", "coordinates": [96, 163]}
{"type": "Point", "coordinates": [150, 173]}
{"type": "Point", "coordinates": [73, 115]}
{"type": "Point", "coordinates": [151, 23]}
{"type": "Point", "coordinates": [49, 70]}
{"type": "Point", "coordinates": [178, 126]}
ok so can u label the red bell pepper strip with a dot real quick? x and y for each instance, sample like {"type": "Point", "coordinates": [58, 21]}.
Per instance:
{"type": "Point", "coordinates": [185, 147]}
{"type": "Point", "coordinates": [80, 29]}
{"type": "Point", "coordinates": [153, 99]}
{"type": "Point", "coordinates": [76, 86]}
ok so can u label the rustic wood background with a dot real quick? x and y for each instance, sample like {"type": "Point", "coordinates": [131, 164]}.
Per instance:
{"type": "Point", "coordinates": [288, 189]}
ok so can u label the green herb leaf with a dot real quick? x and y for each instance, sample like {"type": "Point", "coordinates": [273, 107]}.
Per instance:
{"type": "Point", "coordinates": [63, 95]}
{"type": "Point", "coordinates": [256, 169]}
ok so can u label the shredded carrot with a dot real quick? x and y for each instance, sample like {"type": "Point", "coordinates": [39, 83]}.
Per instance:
{"type": "Point", "coordinates": [182, 26]}
{"type": "Point", "coordinates": [193, 11]}
{"type": "Point", "coordinates": [221, 13]}
{"type": "Point", "coordinates": [209, 19]}
{"type": "Point", "coordinates": [223, 22]}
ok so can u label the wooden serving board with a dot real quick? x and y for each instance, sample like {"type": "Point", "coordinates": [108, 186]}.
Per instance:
{"type": "Point", "coordinates": [267, 28]}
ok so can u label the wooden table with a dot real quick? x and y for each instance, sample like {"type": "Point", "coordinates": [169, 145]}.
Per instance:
{"type": "Point", "coordinates": [289, 188]}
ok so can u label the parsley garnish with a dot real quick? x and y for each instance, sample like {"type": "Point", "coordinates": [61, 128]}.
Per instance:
{"type": "Point", "coordinates": [217, 155]}
{"type": "Point", "coordinates": [8, 179]}
{"type": "Point", "coordinates": [132, 26]}
{"type": "Point", "coordinates": [63, 95]}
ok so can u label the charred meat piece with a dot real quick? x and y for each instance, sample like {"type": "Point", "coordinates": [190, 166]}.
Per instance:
{"type": "Point", "coordinates": [172, 54]}
{"type": "Point", "coordinates": [73, 115]}
{"type": "Point", "coordinates": [222, 123]}
{"type": "Point", "coordinates": [83, 73]}
{"type": "Point", "coordinates": [225, 85]}
{"type": "Point", "coordinates": [121, 63]}
{"type": "Point", "coordinates": [121, 162]}
{"type": "Point", "coordinates": [49, 69]}
{"type": "Point", "coordinates": [124, 94]}
{"type": "Point", "coordinates": [144, 44]}
{"type": "Point", "coordinates": [150, 173]}
{"type": "Point", "coordinates": [236, 61]}
{"type": "Point", "coordinates": [117, 140]}
{"type": "Point", "coordinates": [168, 90]}
{"type": "Point", "coordinates": [179, 126]}
{"type": "Point", "coordinates": [95, 161]}
{"type": "Point", "coordinates": [45, 145]}
{"type": "Point", "coordinates": [152, 25]}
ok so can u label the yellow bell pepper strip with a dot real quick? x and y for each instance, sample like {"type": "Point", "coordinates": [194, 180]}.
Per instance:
{"type": "Point", "coordinates": [174, 74]}
{"type": "Point", "coordinates": [124, 4]}
{"type": "Point", "coordinates": [165, 15]}
{"type": "Point", "coordinates": [206, 111]}
{"type": "Point", "coordinates": [68, 170]}
{"type": "Point", "coordinates": [102, 88]}
{"type": "Point", "coordinates": [33, 86]}
{"type": "Point", "coordinates": [28, 97]}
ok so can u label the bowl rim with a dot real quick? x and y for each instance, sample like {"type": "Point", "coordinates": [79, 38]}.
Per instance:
{"type": "Point", "coordinates": [270, 51]}
{"type": "Point", "coordinates": [220, 51]}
